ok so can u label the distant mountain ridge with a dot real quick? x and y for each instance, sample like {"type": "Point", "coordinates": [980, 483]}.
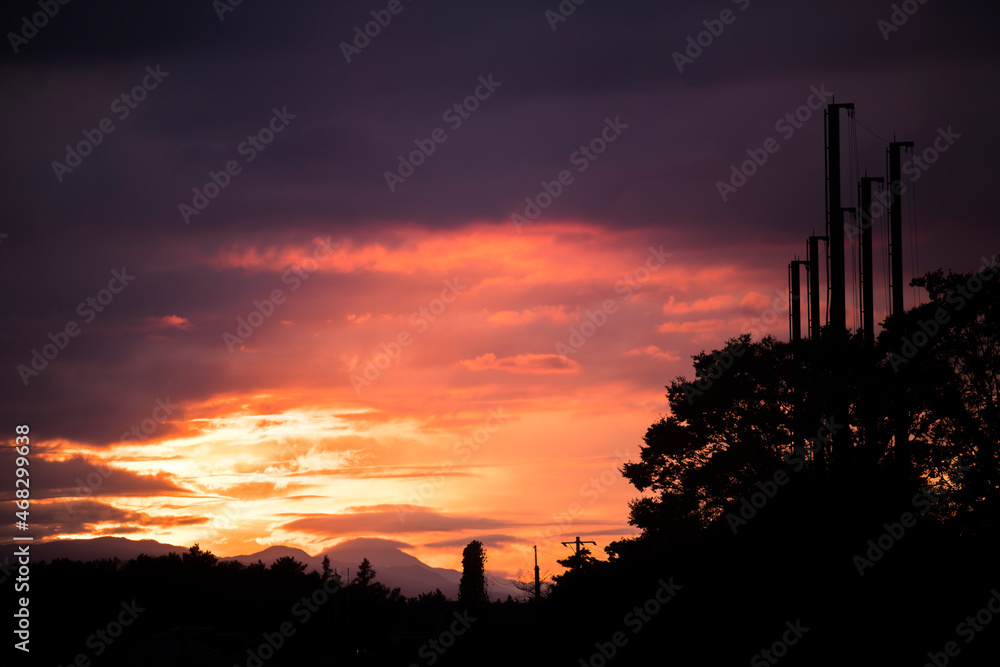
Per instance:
{"type": "Point", "coordinates": [100, 548]}
{"type": "Point", "coordinates": [271, 554]}
{"type": "Point", "coordinates": [394, 567]}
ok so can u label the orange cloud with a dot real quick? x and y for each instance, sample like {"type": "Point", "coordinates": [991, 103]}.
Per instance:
{"type": "Point", "coordinates": [523, 363]}
{"type": "Point", "coordinates": [92, 518]}
{"type": "Point", "coordinates": [173, 321]}
{"type": "Point", "coordinates": [388, 521]}
{"type": "Point", "coordinates": [718, 302]}
{"type": "Point", "coordinates": [693, 326]}
{"type": "Point", "coordinates": [654, 352]}
{"type": "Point", "coordinates": [556, 314]}
{"type": "Point", "coordinates": [756, 301]}
{"type": "Point", "coordinates": [274, 444]}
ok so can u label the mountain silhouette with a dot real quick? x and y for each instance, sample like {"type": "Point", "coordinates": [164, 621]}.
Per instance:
{"type": "Point", "coordinates": [395, 568]}
{"type": "Point", "coordinates": [271, 554]}
{"type": "Point", "coordinates": [100, 548]}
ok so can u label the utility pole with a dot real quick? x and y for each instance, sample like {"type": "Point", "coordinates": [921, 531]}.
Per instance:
{"type": "Point", "coordinates": [538, 582]}
{"type": "Point", "coordinates": [795, 299]}
{"type": "Point", "coordinates": [795, 337]}
{"type": "Point", "coordinates": [867, 273]}
{"type": "Point", "coordinates": [837, 304]}
{"type": "Point", "coordinates": [579, 544]}
{"type": "Point", "coordinates": [901, 420]}
{"type": "Point", "coordinates": [867, 306]}
{"type": "Point", "coordinates": [812, 270]}
{"type": "Point", "coordinates": [835, 218]}
{"type": "Point", "coordinates": [896, 188]}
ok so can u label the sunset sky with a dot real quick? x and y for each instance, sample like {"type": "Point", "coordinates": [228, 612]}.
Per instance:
{"type": "Point", "coordinates": [317, 350]}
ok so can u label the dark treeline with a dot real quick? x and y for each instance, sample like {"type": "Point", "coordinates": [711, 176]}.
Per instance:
{"type": "Point", "coordinates": [196, 609]}
{"type": "Point", "coordinates": [781, 524]}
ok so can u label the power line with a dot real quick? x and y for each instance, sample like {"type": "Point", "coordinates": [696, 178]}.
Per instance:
{"type": "Point", "coordinates": [579, 544]}
{"type": "Point", "coordinates": [870, 131]}
{"type": "Point", "coordinates": [914, 246]}
{"type": "Point", "coordinates": [855, 288]}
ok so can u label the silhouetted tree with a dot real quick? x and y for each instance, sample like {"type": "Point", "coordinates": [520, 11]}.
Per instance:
{"type": "Point", "coordinates": [946, 354]}
{"type": "Point", "coordinates": [578, 560]}
{"type": "Point", "coordinates": [365, 574]}
{"type": "Point", "coordinates": [436, 597]}
{"type": "Point", "coordinates": [195, 557]}
{"type": "Point", "coordinates": [756, 408]}
{"type": "Point", "coordinates": [364, 583]}
{"type": "Point", "coordinates": [472, 587]}
{"type": "Point", "coordinates": [726, 431]}
{"type": "Point", "coordinates": [527, 588]}
{"type": "Point", "coordinates": [287, 566]}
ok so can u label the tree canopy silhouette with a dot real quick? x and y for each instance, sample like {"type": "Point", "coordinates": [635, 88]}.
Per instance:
{"type": "Point", "coordinates": [946, 353]}
{"type": "Point", "coordinates": [472, 587]}
{"type": "Point", "coordinates": [287, 566]}
{"type": "Point", "coordinates": [365, 576]}
{"type": "Point", "coordinates": [196, 557]}
{"type": "Point", "coordinates": [828, 406]}
{"type": "Point", "coordinates": [577, 560]}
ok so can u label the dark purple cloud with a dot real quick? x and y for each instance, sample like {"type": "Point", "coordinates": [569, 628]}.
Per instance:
{"type": "Point", "coordinates": [324, 172]}
{"type": "Point", "coordinates": [87, 517]}
{"type": "Point", "coordinates": [390, 520]}
{"type": "Point", "coordinates": [79, 477]}
{"type": "Point", "coordinates": [498, 540]}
